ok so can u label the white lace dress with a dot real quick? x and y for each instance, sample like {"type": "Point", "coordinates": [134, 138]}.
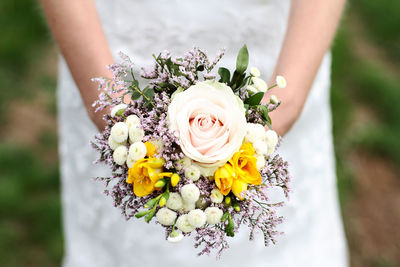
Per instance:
{"type": "Point", "coordinates": [96, 234]}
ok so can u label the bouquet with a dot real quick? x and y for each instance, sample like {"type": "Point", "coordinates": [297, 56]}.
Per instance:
{"type": "Point", "coordinates": [190, 150]}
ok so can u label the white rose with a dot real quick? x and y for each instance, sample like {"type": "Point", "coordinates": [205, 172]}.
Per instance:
{"type": "Point", "coordinates": [183, 224]}
{"type": "Point", "coordinates": [166, 216]}
{"type": "Point", "coordinates": [113, 145]}
{"type": "Point", "coordinates": [260, 161]}
{"type": "Point", "coordinates": [132, 121]}
{"type": "Point", "coordinates": [135, 134]}
{"type": "Point", "coordinates": [197, 218]}
{"type": "Point", "coordinates": [280, 81]}
{"type": "Point", "coordinates": [261, 147]}
{"type": "Point", "coordinates": [192, 173]}
{"type": "Point", "coordinates": [190, 193]}
{"type": "Point", "coordinates": [216, 196]}
{"type": "Point", "coordinates": [214, 215]}
{"type": "Point", "coordinates": [254, 132]}
{"type": "Point", "coordinates": [210, 122]}
{"type": "Point", "coordinates": [255, 72]}
{"type": "Point", "coordinates": [260, 84]}
{"type": "Point", "coordinates": [118, 108]}
{"type": "Point", "coordinates": [119, 132]}
{"type": "Point", "coordinates": [188, 206]}
{"type": "Point", "coordinates": [120, 154]}
{"type": "Point", "coordinates": [271, 138]}
{"type": "Point", "coordinates": [174, 201]}
{"type": "Point", "coordinates": [175, 237]}
{"type": "Point", "coordinates": [137, 151]}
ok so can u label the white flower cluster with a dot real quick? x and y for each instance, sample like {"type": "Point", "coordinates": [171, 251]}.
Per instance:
{"type": "Point", "coordinates": [131, 131]}
{"type": "Point", "coordinates": [258, 84]}
{"type": "Point", "coordinates": [264, 142]}
{"type": "Point", "coordinates": [186, 202]}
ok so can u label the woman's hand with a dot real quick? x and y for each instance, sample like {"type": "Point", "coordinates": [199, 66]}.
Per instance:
{"type": "Point", "coordinates": [311, 27]}
{"type": "Point", "coordinates": [78, 32]}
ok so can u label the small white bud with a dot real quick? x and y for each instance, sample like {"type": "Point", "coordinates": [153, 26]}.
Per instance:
{"type": "Point", "coordinates": [113, 145]}
{"type": "Point", "coordinates": [120, 154]}
{"type": "Point", "coordinates": [137, 151]}
{"type": "Point", "coordinates": [254, 132]}
{"type": "Point", "coordinates": [260, 161]}
{"type": "Point", "coordinates": [197, 218]}
{"type": "Point", "coordinates": [273, 99]}
{"type": "Point", "coordinates": [192, 173]}
{"type": "Point", "coordinates": [252, 89]}
{"type": "Point", "coordinates": [261, 147]}
{"type": "Point", "coordinates": [130, 161]}
{"type": "Point", "coordinates": [174, 201]}
{"type": "Point", "coordinates": [260, 84]}
{"type": "Point", "coordinates": [190, 193]}
{"type": "Point", "coordinates": [132, 121]}
{"type": "Point", "coordinates": [175, 237]}
{"type": "Point", "coordinates": [183, 163]}
{"type": "Point", "coordinates": [117, 109]}
{"type": "Point", "coordinates": [280, 81]}
{"type": "Point", "coordinates": [216, 196]}
{"type": "Point", "coordinates": [188, 206]}
{"type": "Point", "coordinates": [166, 216]}
{"type": "Point", "coordinates": [214, 215]}
{"type": "Point", "coordinates": [119, 132]}
{"type": "Point", "coordinates": [135, 134]}
{"type": "Point", "coordinates": [183, 224]}
{"type": "Point", "coordinates": [271, 138]}
{"type": "Point", "coordinates": [255, 72]}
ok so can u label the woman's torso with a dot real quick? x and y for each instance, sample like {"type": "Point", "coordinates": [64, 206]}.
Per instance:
{"type": "Point", "coordinates": [97, 235]}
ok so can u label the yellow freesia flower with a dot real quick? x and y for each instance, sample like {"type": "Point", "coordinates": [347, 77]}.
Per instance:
{"type": "Point", "coordinates": [240, 171]}
{"type": "Point", "coordinates": [151, 149]}
{"type": "Point", "coordinates": [144, 174]}
{"type": "Point", "coordinates": [224, 178]}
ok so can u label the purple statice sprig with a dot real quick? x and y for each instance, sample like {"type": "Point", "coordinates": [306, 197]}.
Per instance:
{"type": "Point", "coordinates": [169, 73]}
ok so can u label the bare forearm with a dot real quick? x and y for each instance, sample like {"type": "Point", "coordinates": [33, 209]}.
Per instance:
{"type": "Point", "coordinates": [77, 30]}
{"type": "Point", "coordinates": [311, 27]}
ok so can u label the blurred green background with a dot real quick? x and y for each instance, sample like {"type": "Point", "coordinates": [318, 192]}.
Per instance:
{"type": "Point", "coordinates": [365, 96]}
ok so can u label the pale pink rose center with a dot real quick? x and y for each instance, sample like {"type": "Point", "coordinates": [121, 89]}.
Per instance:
{"type": "Point", "coordinates": [208, 133]}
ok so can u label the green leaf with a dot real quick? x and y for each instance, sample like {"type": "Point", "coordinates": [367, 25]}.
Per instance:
{"type": "Point", "coordinates": [135, 95]}
{"type": "Point", "coordinates": [150, 215]}
{"type": "Point", "coordinates": [152, 202]}
{"type": "Point", "coordinates": [166, 195]}
{"type": "Point", "coordinates": [225, 216]}
{"type": "Point", "coordinates": [230, 227]}
{"type": "Point", "coordinates": [142, 213]}
{"type": "Point", "coordinates": [255, 99]}
{"type": "Point", "coordinates": [242, 60]}
{"type": "Point", "coordinates": [149, 93]}
{"type": "Point", "coordinates": [246, 106]}
{"type": "Point", "coordinates": [225, 75]}
{"type": "Point", "coordinates": [265, 115]}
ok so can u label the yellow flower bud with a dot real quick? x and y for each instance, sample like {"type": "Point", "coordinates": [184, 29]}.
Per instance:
{"type": "Point", "coordinates": [175, 179]}
{"type": "Point", "coordinates": [236, 207]}
{"type": "Point", "coordinates": [162, 202]}
{"type": "Point", "coordinates": [228, 200]}
{"type": "Point", "coordinates": [160, 183]}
